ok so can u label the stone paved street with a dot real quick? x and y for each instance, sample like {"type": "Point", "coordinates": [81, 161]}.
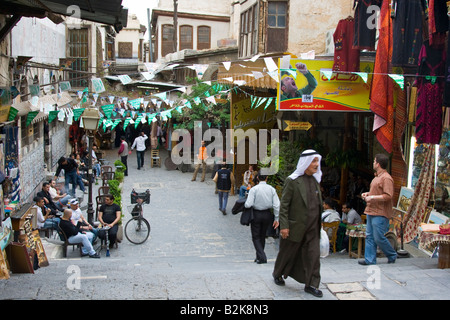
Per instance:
{"type": "Point", "coordinates": [196, 253]}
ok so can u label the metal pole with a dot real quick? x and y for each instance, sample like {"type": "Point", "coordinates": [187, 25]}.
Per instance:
{"type": "Point", "coordinates": [90, 209]}
{"type": "Point", "coordinates": [150, 45]}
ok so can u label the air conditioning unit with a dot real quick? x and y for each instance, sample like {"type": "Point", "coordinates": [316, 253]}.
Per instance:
{"type": "Point", "coordinates": [329, 42]}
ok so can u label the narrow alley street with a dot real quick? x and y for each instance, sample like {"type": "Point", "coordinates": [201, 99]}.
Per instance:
{"type": "Point", "coordinates": [194, 252]}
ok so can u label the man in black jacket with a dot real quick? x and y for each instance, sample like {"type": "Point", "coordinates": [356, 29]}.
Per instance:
{"type": "Point", "coordinates": [74, 235]}
{"type": "Point", "coordinates": [70, 174]}
{"type": "Point", "coordinates": [48, 201]}
{"type": "Point", "coordinates": [225, 180]}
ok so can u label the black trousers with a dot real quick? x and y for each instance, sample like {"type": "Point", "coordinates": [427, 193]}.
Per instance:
{"type": "Point", "coordinates": [124, 160]}
{"type": "Point", "coordinates": [261, 221]}
{"type": "Point", "coordinates": [112, 234]}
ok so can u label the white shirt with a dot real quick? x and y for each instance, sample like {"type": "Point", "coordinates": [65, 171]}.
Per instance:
{"type": "Point", "coordinates": [40, 217]}
{"type": "Point", "coordinates": [76, 216]}
{"type": "Point", "coordinates": [53, 193]}
{"type": "Point", "coordinates": [139, 143]}
{"type": "Point", "coordinates": [262, 197]}
{"type": "Point", "coordinates": [330, 215]}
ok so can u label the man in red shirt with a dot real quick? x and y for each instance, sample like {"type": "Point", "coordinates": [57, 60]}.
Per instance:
{"type": "Point", "coordinates": [378, 211]}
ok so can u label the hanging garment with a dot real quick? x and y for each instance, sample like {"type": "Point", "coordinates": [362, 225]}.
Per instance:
{"type": "Point", "coordinates": [423, 192]}
{"type": "Point", "coordinates": [447, 78]}
{"type": "Point", "coordinates": [345, 58]}
{"type": "Point", "coordinates": [407, 32]}
{"type": "Point", "coordinates": [365, 26]}
{"type": "Point", "coordinates": [437, 22]}
{"type": "Point", "coordinates": [381, 95]}
{"type": "Point", "coordinates": [430, 89]}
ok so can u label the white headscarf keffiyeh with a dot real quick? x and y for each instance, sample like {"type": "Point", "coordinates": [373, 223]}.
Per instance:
{"type": "Point", "coordinates": [304, 161]}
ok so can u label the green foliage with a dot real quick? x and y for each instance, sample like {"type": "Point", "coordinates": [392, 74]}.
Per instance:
{"type": "Point", "coordinates": [120, 170]}
{"type": "Point", "coordinates": [215, 114]}
{"type": "Point", "coordinates": [348, 159]}
{"type": "Point", "coordinates": [286, 162]}
{"type": "Point", "coordinates": [119, 166]}
{"type": "Point", "coordinates": [116, 191]}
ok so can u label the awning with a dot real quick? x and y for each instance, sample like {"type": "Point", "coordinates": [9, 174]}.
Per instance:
{"type": "Point", "coordinates": [253, 73]}
{"type": "Point", "coordinates": [59, 100]}
{"type": "Point", "coordinates": [62, 99]}
{"type": "Point", "coordinates": [108, 12]}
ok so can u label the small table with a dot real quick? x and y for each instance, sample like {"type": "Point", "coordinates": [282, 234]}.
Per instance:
{"type": "Point", "coordinates": [361, 235]}
{"type": "Point", "coordinates": [428, 238]}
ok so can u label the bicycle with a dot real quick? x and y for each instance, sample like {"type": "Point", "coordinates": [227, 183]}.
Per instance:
{"type": "Point", "coordinates": [137, 229]}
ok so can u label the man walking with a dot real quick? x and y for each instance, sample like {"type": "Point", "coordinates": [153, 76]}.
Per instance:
{"type": "Point", "coordinates": [224, 179]}
{"type": "Point", "coordinates": [139, 144]}
{"type": "Point", "coordinates": [201, 157]}
{"type": "Point", "coordinates": [71, 173]}
{"type": "Point", "coordinates": [300, 225]}
{"type": "Point", "coordinates": [262, 198]}
{"type": "Point", "coordinates": [123, 153]}
{"type": "Point", "coordinates": [378, 211]}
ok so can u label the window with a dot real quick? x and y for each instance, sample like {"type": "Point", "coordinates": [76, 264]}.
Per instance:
{"type": "Point", "coordinates": [203, 37]}
{"type": "Point", "coordinates": [78, 51]}
{"type": "Point", "coordinates": [167, 39]}
{"type": "Point", "coordinates": [277, 27]}
{"type": "Point", "coordinates": [277, 15]}
{"type": "Point", "coordinates": [248, 41]}
{"type": "Point", "coordinates": [186, 38]}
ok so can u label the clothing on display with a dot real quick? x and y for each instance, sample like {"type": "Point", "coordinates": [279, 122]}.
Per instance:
{"type": "Point", "coordinates": [345, 57]}
{"type": "Point", "coordinates": [407, 18]}
{"type": "Point", "coordinates": [430, 89]}
{"type": "Point", "coordinates": [382, 96]}
{"type": "Point", "coordinates": [364, 38]}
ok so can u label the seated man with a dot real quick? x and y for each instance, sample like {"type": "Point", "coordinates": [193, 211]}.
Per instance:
{"type": "Point", "coordinates": [330, 214]}
{"type": "Point", "coordinates": [248, 182]}
{"type": "Point", "coordinates": [109, 216]}
{"type": "Point", "coordinates": [61, 200]}
{"type": "Point", "coordinates": [349, 215]}
{"type": "Point", "coordinates": [75, 235]}
{"type": "Point", "coordinates": [48, 201]}
{"type": "Point", "coordinates": [45, 220]}
{"type": "Point", "coordinates": [77, 217]}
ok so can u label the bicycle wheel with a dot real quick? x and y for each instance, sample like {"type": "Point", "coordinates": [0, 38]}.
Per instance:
{"type": "Point", "coordinates": [137, 230]}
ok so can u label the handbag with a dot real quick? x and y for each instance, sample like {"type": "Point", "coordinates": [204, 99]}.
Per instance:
{"type": "Point", "coordinates": [247, 216]}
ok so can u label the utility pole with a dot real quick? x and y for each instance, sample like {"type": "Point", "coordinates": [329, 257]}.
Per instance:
{"type": "Point", "coordinates": [175, 25]}
{"type": "Point", "coordinates": [150, 45]}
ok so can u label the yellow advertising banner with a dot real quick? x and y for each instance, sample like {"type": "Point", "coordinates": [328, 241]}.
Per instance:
{"type": "Point", "coordinates": [243, 116]}
{"type": "Point", "coordinates": [311, 85]}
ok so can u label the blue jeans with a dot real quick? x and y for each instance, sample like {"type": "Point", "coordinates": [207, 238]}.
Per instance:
{"type": "Point", "coordinates": [72, 178]}
{"type": "Point", "coordinates": [376, 227]}
{"type": "Point", "coordinates": [140, 158]}
{"type": "Point", "coordinates": [223, 200]}
{"type": "Point", "coordinates": [85, 240]}
{"type": "Point", "coordinates": [51, 223]}
{"type": "Point", "coordinates": [242, 191]}
{"type": "Point", "coordinates": [61, 204]}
